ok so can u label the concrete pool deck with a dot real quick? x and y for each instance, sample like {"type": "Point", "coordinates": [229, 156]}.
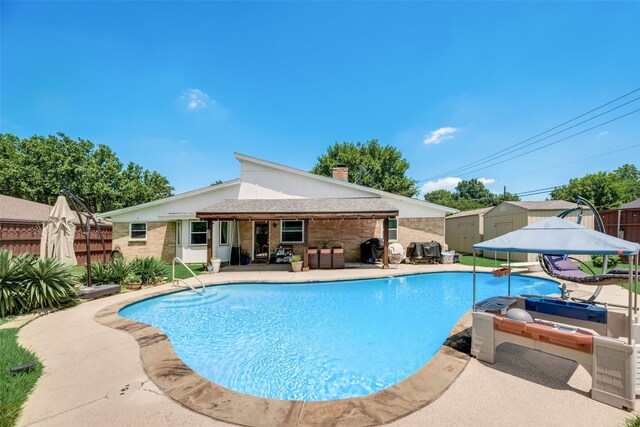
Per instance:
{"type": "Point", "coordinates": [93, 374]}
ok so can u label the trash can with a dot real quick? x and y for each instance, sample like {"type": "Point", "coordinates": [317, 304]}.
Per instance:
{"type": "Point", "coordinates": [325, 258]}
{"type": "Point", "coordinates": [337, 257]}
{"type": "Point", "coordinates": [313, 258]}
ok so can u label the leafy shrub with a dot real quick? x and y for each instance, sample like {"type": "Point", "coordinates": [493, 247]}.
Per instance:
{"type": "Point", "coordinates": [295, 258]}
{"type": "Point", "coordinates": [598, 261]}
{"type": "Point", "coordinates": [99, 275]}
{"type": "Point", "coordinates": [49, 283]}
{"type": "Point", "coordinates": [149, 270]}
{"type": "Point", "coordinates": [119, 271]}
{"type": "Point", "coordinates": [11, 278]}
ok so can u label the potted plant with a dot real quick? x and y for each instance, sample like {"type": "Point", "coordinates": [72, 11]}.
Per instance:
{"type": "Point", "coordinates": [215, 264]}
{"type": "Point", "coordinates": [296, 263]}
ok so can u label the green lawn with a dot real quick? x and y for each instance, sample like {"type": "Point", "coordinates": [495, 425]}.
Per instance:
{"type": "Point", "coordinates": [182, 272]}
{"type": "Point", "coordinates": [14, 388]}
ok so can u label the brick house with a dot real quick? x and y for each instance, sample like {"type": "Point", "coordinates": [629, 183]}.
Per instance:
{"type": "Point", "coordinates": [272, 204]}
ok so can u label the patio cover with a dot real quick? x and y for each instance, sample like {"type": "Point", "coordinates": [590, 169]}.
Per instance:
{"type": "Point", "coordinates": [354, 207]}
{"type": "Point", "coordinates": [557, 236]}
{"type": "Point", "coordinates": [59, 233]}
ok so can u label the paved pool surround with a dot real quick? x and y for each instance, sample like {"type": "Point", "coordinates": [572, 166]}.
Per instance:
{"type": "Point", "coordinates": [181, 383]}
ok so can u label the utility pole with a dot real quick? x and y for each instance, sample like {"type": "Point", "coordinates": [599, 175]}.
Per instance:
{"type": "Point", "coordinates": [504, 194]}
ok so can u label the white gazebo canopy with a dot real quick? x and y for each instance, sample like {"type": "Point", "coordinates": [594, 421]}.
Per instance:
{"type": "Point", "coordinates": [557, 236]}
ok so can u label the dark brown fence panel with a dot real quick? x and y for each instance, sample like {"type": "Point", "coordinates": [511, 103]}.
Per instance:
{"type": "Point", "coordinates": [24, 237]}
{"type": "Point", "coordinates": [629, 223]}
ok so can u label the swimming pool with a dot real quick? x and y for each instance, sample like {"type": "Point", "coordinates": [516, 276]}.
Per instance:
{"type": "Point", "coordinates": [321, 340]}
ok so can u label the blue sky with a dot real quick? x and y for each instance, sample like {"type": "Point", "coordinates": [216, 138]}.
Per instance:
{"type": "Point", "coordinates": [179, 86]}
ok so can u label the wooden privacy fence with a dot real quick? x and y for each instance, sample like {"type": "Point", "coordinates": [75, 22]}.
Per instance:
{"type": "Point", "coordinates": [24, 237]}
{"type": "Point", "coordinates": [629, 223]}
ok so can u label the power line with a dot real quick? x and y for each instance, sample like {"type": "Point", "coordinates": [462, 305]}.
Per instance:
{"type": "Point", "coordinates": [491, 156]}
{"type": "Point", "coordinates": [525, 193]}
{"type": "Point", "coordinates": [510, 151]}
{"type": "Point", "coordinates": [575, 161]}
{"type": "Point", "coordinates": [552, 143]}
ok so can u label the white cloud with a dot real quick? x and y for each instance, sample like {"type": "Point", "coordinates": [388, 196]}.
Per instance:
{"type": "Point", "coordinates": [603, 133]}
{"type": "Point", "coordinates": [448, 183]}
{"type": "Point", "coordinates": [486, 181]}
{"type": "Point", "coordinates": [440, 135]}
{"type": "Point", "coordinates": [196, 99]}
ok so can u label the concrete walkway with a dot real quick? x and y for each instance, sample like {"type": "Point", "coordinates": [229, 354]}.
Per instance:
{"type": "Point", "coordinates": [93, 375]}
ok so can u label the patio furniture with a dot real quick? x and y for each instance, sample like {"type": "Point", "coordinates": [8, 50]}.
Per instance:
{"type": "Point", "coordinates": [325, 258]}
{"type": "Point", "coordinates": [337, 257]}
{"type": "Point", "coordinates": [314, 259]}
{"type": "Point", "coordinates": [371, 250]}
{"type": "Point", "coordinates": [424, 251]}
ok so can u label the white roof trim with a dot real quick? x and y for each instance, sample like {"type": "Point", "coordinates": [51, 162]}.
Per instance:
{"type": "Point", "coordinates": [172, 198]}
{"type": "Point", "coordinates": [242, 157]}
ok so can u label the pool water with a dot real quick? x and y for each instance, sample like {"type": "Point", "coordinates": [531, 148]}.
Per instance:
{"type": "Point", "coordinates": [320, 340]}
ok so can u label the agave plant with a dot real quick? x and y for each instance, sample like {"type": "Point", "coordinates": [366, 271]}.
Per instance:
{"type": "Point", "coordinates": [119, 271]}
{"type": "Point", "coordinates": [99, 275]}
{"type": "Point", "coordinates": [11, 278]}
{"type": "Point", "coordinates": [49, 283]}
{"type": "Point", "coordinates": [150, 270]}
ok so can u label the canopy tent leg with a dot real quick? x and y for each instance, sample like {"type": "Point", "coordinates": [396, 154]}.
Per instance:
{"type": "Point", "coordinates": [630, 309]}
{"type": "Point", "coordinates": [474, 280]}
{"type": "Point", "coordinates": [509, 273]}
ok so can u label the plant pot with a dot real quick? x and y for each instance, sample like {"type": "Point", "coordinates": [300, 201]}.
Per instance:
{"type": "Point", "coordinates": [133, 286]}
{"type": "Point", "coordinates": [500, 272]}
{"type": "Point", "coordinates": [296, 267]}
{"type": "Point", "coordinates": [215, 264]}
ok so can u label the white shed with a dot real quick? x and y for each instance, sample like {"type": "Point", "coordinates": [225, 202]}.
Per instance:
{"type": "Point", "coordinates": [511, 216]}
{"type": "Point", "coordinates": [465, 229]}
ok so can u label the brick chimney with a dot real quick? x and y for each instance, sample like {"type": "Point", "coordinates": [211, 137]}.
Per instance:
{"type": "Point", "coordinates": [340, 172]}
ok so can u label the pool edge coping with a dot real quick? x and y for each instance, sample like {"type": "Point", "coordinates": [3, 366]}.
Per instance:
{"type": "Point", "coordinates": [179, 382]}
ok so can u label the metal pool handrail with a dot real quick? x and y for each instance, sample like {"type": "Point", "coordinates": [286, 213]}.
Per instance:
{"type": "Point", "coordinates": [177, 281]}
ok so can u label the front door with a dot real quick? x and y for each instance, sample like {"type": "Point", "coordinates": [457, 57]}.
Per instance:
{"type": "Point", "coordinates": [261, 239]}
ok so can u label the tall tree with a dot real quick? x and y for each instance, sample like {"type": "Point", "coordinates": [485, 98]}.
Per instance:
{"type": "Point", "coordinates": [385, 168]}
{"type": "Point", "coordinates": [468, 194]}
{"type": "Point", "coordinates": [37, 168]}
{"type": "Point", "coordinates": [606, 190]}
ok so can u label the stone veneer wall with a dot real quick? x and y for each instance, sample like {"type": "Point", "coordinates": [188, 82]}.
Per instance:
{"type": "Point", "coordinates": [420, 230]}
{"type": "Point", "coordinates": [160, 243]}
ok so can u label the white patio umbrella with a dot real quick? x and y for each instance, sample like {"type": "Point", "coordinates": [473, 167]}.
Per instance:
{"type": "Point", "coordinates": [59, 233]}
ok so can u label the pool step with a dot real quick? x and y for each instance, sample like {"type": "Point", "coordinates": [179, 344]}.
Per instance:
{"type": "Point", "coordinates": [193, 300]}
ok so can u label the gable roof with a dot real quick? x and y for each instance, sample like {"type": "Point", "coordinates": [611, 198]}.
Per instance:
{"type": "Point", "coordinates": [302, 208]}
{"type": "Point", "coordinates": [172, 198]}
{"type": "Point", "coordinates": [472, 212]}
{"type": "Point", "coordinates": [272, 165]}
{"type": "Point", "coordinates": [544, 205]}
{"type": "Point", "coordinates": [21, 210]}
{"type": "Point", "coordinates": [631, 205]}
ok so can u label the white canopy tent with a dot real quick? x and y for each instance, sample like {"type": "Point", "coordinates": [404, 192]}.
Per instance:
{"type": "Point", "coordinates": [557, 236]}
{"type": "Point", "coordinates": [59, 233]}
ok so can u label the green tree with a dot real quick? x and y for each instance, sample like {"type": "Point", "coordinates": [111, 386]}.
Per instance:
{"type": "Point", "coordinates": [606, 190]}
{"type": "Point", "coordinates": [468, 194]}
{"type": "Point", "coordinates": [36, 168]}
{"type": "Point", "coordinates": [384, 165]}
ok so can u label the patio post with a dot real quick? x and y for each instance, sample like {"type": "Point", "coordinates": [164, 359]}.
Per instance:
{"type": "Point", "coordinates": [509, 273]}
{"type": "Point", "coordinates": [209, 241]}
{"type": "Point", "coordinates": [305, 259]}
{"type": "Point", "coordinates": [474, 280]}
{"type": "Point", "coordinates": [385, 237]}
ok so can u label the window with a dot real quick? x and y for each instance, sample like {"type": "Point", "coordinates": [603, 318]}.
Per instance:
{"type": "Point", "coordinates": [224, 233]}
{"type": "Point", "coordinates": [178, 233]}
{"type": "Point", "coordinates": [292, 232]}
{"type": "Point", "coordinates": [393, 229]}
{"type": "Point", "coordinates": [138, 231]}
{"type": "Point", "coordinates": [198, 233]}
